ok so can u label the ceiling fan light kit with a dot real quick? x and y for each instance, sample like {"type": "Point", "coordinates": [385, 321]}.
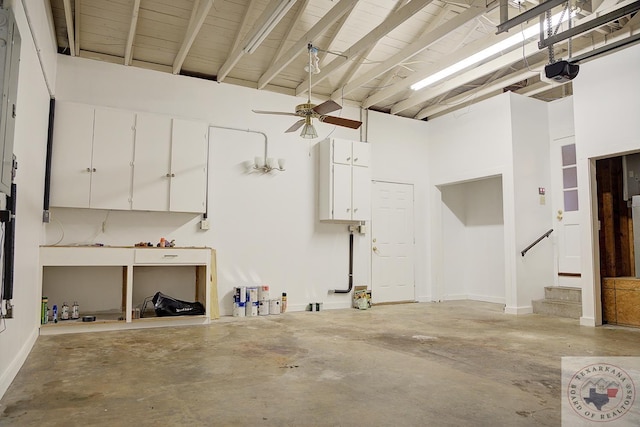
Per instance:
{"type": "Point", "coordinates": [308, 111]}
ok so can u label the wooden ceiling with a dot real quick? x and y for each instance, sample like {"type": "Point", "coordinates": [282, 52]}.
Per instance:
{"type": "Point", "coordinates": [370, 51]}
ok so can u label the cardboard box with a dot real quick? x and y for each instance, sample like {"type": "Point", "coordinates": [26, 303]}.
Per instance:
{"type": "Point", "coordinates": [361, 297]}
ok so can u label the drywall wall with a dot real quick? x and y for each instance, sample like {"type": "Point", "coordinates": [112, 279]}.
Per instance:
{"type": "Point", "coordinates": [532, 213]}
{"type": "Point", "coordinates": [263, 226]}
{"type": "Point", "coordinates": [606, 109]}
{"type": "Point", "coordinates": [17, 335]}
{"type": "Point", "coordinates": [473, 235]}
{"type": "Point", "coordinates": [400, 155]}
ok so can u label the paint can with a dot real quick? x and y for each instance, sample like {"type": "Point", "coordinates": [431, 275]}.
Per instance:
{"type": "Point", "coordinates": [252, 294]}
{"type": "Point", "coordinates": [239, 309]}
{"type": "Point", "coordinates": [263, 308]}
{"type": "Point", "coordinates": [251, 309]}
{"type": "Point", "coordinates": [274, 306]}
{"type": "Point", "coordinates": [240, 294]}
{"type": "Point", "coordinates": [263, 293]}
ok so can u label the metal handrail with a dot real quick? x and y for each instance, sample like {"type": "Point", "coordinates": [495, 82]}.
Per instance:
{"type": "Point", "coordinates": [525, 250]}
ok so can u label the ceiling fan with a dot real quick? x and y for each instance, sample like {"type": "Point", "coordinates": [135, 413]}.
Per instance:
{"type": "Point", "coordinates": [310, 111]}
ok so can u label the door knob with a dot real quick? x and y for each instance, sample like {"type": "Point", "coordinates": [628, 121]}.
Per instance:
{"type": "Point", "coordinates": [559, 216]}
{"type": "Point", "coordinates": [375, 249]}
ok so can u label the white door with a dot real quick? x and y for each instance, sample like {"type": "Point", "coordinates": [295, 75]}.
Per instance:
{"type": "Point", "coordinates": [392, 241]}
{"type": "Point", "coordinates": [566, 205]}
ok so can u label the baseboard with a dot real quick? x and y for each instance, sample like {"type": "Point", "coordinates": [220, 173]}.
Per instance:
{"type": "Point", "coordinates": [587, 321]}
{"type": "Point", "coordinates": [455, 297]}
{"type": "Point", "coordinates": [424, 299]}
{"type": "Point", "coordinates": [12, 370]}
{"type": "Point", "coordinates": [525, 309]}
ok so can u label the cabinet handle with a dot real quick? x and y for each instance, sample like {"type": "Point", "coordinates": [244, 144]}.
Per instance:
{"type": "Point", "coordinates": [170, 256]}
{"type": "Point", "coordinates": [348, 158]}
{"type": "Point", "coordinates": [348, 209]}
{"type": "Point", "coordinates": [355, 210]}
{"type": "Point", "coordinates": [173, 175]}
{"type": "Point", "coordinates": [88, 169]}
{"type": "Point", "coordinates": [94, 169]}
{"type": "Point", "coordinates": [355, 159]}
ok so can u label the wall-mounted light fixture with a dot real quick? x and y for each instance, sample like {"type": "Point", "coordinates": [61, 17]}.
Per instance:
{"type": "Point", "coordinates": [265, 164]}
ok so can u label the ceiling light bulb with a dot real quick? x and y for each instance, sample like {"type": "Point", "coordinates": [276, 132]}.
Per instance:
{"type": "Point", "coordinates": [308, 131]}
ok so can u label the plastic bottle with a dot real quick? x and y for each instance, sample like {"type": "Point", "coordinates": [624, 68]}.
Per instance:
{"type": "Point", "coordinates": [55, 313]}
{"type": "Point", "coordinates": [44, 311]}
{"type": "Point", "coordinates": [283, 304]}
{"type": "Point", "coordinates": [75, 310]}
{"type": "Point", "coordinates": [64, 314]}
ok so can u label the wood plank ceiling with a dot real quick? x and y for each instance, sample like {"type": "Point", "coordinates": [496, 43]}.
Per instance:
{"type": "Point", "coordinates": [370, 51]}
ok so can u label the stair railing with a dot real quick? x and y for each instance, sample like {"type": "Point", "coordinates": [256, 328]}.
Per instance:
{"type": "Point", "coordinates": [546, 234]}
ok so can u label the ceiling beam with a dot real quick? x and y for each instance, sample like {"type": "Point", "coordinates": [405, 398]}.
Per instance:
{"type": "Point", "coordinates": [411, 50]}
{"type": "Point", "coordinates": [389, 24]}
{"type": "Point", "coordinates": [243, 24]}
{"type": "Point", "coordinates": [323, 54]}
{"type": "Point", "coordinates": [128, 51]}
{"type": "Point", "coordinates": [421, 96]}
{"type": "Point", "coordinates": [239, 51]}
{"type": "Point", "coordinates": [199, 13]}
{"type": "Point", "coordinates": [77, 24]}
{"type": "Point", "coordinates": [363, 56]}
{"type": "Point", "coordinates": [299, 47]}
{"type": "Point", "coordinates": [287, 34]}
{"type": "Point", "coordinates": [68, 17]}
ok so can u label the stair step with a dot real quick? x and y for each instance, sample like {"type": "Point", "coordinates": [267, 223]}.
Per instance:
{"type": "Point", "coordinates": [563, 293]}
{"type": "Point", "coordinates": [560, 308]}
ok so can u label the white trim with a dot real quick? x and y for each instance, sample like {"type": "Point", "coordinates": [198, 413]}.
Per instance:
{"type": "Point", "coordinates": [424, 299]}
{"type": "Point", "coordinates": [12, 370]}
{"type": "Point", "coordinates": [528, 309]}
{"type": "Point", "coordinates": [486, 298]}
{"type": "Point", "coordinates": [587, 321]}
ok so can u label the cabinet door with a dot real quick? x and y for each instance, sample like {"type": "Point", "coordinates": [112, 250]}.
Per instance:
{"type": "Point", "coordinates": [361, 153]}
{"type": "Point", "coordinates": [361, 197]}
{"type": "Point", "coordinates": [112, 159]}
{"type": "Point", "coordinates": [151, 163]}
{"type": "Point", "coordinates": [341, 151]}
{"type": "Point", "coordinates": [71, 156]}
{"type": "Point", "coordinates": [188, 166]}
{"type": "Point", "coordinates": [341, 192]}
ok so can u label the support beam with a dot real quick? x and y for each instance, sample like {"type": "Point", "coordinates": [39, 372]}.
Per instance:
{"type": "Point", "coordinates": [287, 34]}
{"type": "Point", "coordinates": [243, 24]}
{"type": "Point", "coordinates": [411, 50]}
{"type": "Point", "coordinates": [342, 22]}
{"type": "Point", "coordinates": [529, 14]}
{"type": "Point", "coordinates": [299, 47]}
{"type": "Point", "coordinates": [68, 16]}
{"type": "Point", "coordinates": [198, 15]}
{"type": "Point", "coordinates": [263, 25]}
{"type": "Point", "coordinates": [128, 51]}
{"type": "Point", "coordinates": [393, 22]}
{"type": "Point", "coordinates": [77, 23]}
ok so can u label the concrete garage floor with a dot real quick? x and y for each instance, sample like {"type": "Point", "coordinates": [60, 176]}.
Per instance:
{"type": "Point", "coordinates": [438, 364]}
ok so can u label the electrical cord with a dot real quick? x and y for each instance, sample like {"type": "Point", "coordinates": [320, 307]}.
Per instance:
{"type": "Point", "coordinates": [61, 230]}
{"type": "Point", "coordinates": [2, 318]}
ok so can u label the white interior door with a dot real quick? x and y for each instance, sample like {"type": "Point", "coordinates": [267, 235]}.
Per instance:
{"type": "Point", "coordinates": [566, 206]}
{"type": "Point", "coordinates": [392, 240]}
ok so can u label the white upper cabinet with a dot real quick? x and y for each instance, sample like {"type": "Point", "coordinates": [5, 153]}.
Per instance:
{"type": "Point", "coordinates": [152, 163]}
{"type": "Point", "coordinates": [91, 159]}
{"type": "Point", "coordinates": [116, 159]}
{"type": "Point", "coordinates": [345, 180]}
{"type": "Point", "coordinates": [188, 166]}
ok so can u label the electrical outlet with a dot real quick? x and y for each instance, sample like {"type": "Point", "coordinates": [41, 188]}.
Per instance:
{"type": "Point", "coordinates": [204, 224]}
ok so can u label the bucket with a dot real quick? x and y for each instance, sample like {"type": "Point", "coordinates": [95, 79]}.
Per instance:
{"type": "Point", "coordinates": [251, 309]}
{"type": "Point", "coordinates": [240, 294]}
{"type": "Point", "coordinates": [263, 308]}
{"type": "Point", "coordinates": [263, 293]}
{"type": "Point", "coordinates": [274, 306]}
{"type": "Point", "coordinates": [239, 309]}
{"type": "Point", "coordinates": [252, 294]}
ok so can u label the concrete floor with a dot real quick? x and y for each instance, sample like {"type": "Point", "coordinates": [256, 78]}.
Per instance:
{"type": "Point", "coordinates": [439, 364]}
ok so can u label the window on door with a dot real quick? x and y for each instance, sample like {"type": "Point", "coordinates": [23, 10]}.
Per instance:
{"type": "Point", "coordinates": [569, 178]}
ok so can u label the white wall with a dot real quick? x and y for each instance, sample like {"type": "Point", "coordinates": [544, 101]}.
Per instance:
{"type": "Point", "coordinates": [533, 216]}
{"type": "Point", "coordinates": [19, 334]}
{"type": "Point", "coordinates": [607, 107]}
{"type": "Point", "coordinates": [463, 146]}
{"type": "Point", "coordinates": [400, 155]}
{"type": "Point", "coordinates": [473, 236]}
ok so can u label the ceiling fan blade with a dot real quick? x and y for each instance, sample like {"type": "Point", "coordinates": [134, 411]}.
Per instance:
{"type": "Point", "coordinates": [279, 113]}
{"type": "Point", "coordinates": [297, 125]}
{"type": "Point", "coordinates": [339, 121]}
{"type": "Point", "coordinates": [327, 107]}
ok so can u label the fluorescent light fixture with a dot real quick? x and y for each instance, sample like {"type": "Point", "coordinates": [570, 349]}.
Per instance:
{"type": "Point", "coordinates": [486, 53]}
{"type": "Point", "coordinates": [276, 15]}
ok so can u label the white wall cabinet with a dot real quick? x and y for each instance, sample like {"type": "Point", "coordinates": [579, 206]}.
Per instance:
{"type": "Point", "coordinates": [92, 153]}
{"type": "Point", "coordinates": [118, 159]}
{"type": "Point", "coordinates": [345, 180]}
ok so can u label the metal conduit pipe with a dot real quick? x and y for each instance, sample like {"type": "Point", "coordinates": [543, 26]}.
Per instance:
{"type": "Point", "coordinates": [346, 291]}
